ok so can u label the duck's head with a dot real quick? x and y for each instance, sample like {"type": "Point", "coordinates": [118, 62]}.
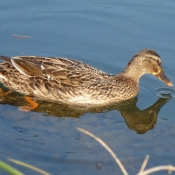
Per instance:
{"type": "Point", "coordinates": [146, 62]}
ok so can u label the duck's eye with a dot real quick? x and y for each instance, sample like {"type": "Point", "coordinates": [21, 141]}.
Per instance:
{"type": "Point", "coordinates": [158, 62]}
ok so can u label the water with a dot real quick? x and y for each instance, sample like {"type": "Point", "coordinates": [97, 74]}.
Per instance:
{"type": "Point", "coordinates": [105, 35]}
{"type": "Point", "coordinates": [164, 92]}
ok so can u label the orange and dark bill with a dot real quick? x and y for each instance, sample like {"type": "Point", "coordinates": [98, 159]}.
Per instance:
{"type": "Point", "coordinates": [164, 78]}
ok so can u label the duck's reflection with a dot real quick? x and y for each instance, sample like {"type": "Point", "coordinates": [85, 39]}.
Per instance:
{"type": "Point", "coordinates": [143, 120]}
{"type": "Point", "coordinates": [138, 120]}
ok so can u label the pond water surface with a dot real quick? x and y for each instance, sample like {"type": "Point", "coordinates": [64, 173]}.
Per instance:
{"type": "Point", "coordinates": [104, 34]}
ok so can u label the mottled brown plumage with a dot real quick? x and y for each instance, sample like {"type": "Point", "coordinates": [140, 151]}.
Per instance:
{"type": "Point", "coordinates": [70, 81]}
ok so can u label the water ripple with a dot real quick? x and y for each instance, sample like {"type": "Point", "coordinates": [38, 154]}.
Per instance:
{"type": "Point", "coordinates": [164, 92]}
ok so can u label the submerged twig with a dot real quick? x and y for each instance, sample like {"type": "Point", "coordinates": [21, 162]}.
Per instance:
{"type": "Point", "coordinates": [106, 147]}
{"type": "Point", "coordinates": [22, 36]}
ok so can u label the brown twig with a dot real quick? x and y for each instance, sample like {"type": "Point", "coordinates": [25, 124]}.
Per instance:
{"type": "Point", "coordinates": [107, 148]}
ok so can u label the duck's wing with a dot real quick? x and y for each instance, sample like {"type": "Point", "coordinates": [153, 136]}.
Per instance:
{"type": "Point", "coordinates": [61, 69]}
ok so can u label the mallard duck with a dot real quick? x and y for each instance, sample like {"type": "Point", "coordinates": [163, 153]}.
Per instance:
{"type": "Point", "coordinates": [70, 81]}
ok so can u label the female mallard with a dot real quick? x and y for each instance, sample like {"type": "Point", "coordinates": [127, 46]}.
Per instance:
{"type": "Point", "coordinates": [69, 81]}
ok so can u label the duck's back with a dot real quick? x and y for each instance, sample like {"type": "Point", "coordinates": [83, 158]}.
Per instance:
{"type": "Point", "coordinates": [57, 79]}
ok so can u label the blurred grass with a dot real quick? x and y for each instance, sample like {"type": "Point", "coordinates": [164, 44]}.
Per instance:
{"type": "Point", "coordinates": [29, 166]}
{"type": "Point", "coordinates": [9, 169]}
{"type": "Point", "coordinates": [13, 171]}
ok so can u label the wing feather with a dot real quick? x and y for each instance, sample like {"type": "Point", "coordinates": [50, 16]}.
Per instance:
{"type": "Point", "coordinates": [63, 70]}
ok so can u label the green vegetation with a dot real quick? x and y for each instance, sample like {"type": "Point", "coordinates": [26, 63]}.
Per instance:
{"type": "Point", "coordinates": [13, 171]}
{"type": "Point", "coordinates": [9, 169]}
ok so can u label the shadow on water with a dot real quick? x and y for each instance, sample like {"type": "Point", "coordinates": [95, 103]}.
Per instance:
{"type": "Point", "coordinates": [140, 121]}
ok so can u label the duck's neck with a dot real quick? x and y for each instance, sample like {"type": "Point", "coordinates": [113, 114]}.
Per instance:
{"type": "Point", "coordinates": [134, 71]}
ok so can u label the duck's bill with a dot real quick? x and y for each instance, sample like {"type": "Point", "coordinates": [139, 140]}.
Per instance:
{"type": "Point", "coordinates": [164, 78]}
